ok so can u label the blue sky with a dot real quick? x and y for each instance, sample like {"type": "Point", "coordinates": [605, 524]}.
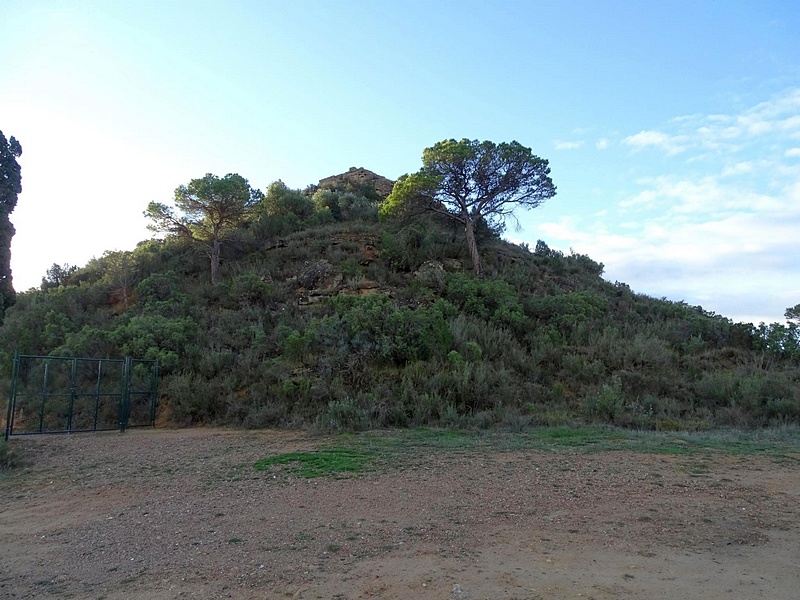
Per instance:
{"type": "Point", "coordinates": [672, 128]}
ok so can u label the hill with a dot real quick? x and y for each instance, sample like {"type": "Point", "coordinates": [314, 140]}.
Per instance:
{"type": "Point", "coordinates": [327, 316]}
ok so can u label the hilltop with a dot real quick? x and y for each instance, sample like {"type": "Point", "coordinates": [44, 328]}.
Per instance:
{"type": "Point", "coordinates": [358, 179]}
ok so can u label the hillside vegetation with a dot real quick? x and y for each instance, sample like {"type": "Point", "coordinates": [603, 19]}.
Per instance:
{"type": "Point", "coordinates": [325, 315]}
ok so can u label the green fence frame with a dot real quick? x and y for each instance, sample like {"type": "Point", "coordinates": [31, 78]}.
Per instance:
{"type": "Point", "coordinates": [56, 385]}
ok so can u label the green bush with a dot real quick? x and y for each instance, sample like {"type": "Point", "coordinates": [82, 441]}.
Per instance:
{"type": "Point", "coordinates": [191, 400]}
{"type": "Point", "coordinates": [346, 206]}
{"type": "Point", "coordinates": [280, 201]}
{"type": "Point", "coordinates": [607, 405]}
{"type": "Point", "coordinates": [172, 341]}
{"type": "Point", "coordinates": [249, 289]}
{"type": "Point", "coordinates": [455, 359]}
{"type": "Point", "coordinates": [161, 289]}
{"type": "Point", "coordinates": [261, 415]}
{"type": "Point", "coordinates": [375, 326]}
{"type": "Point", "coordinates": [566, 311]}
{"type": "Point", "coordinates": [473, 336]}
{"type": "Point", "coordinates": [469, 387]}
{"type": "Point", "coordinates": [407, 248]}
{"type": "Point", "coordinates": [344, 415]}
{"type": "Point", "coordinates": [716, 389]}
{"type": "Point", "coordinates": [493, 300]}
{"type": "Point", "coordinates": [770, 398]}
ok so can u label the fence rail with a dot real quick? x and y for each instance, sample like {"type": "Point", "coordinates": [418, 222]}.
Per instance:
{"type": "Point", "coordinates": [53, 394]}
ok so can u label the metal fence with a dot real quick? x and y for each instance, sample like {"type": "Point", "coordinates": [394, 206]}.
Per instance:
{"type": "Point", "coordinates": [66, 394]}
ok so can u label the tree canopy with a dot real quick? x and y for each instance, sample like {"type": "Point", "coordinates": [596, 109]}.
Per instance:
{"type": "Point", "coordinates": [57, 275]}
{"type": "Point", "coordinates": [10, 188]}
{"type": "Point", "coordinates": [793, 313]}
{"type": "Point", "coordinates": [210, 208]}
{"type": "Point", "coordinates": [469, 181]}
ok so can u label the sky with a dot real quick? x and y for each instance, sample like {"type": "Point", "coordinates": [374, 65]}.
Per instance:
{"type": "Point", "coordinates": [672, 128]}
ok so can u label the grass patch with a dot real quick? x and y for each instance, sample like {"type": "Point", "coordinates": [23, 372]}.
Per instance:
{"type": "Point", "coordinates": [404, 448]}
{"type": "Point", "coordinates": [318, 463]}
{"type": "Point", "coordinates": [779, 442]}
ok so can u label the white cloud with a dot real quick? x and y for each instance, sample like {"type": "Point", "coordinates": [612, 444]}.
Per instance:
{"type": "Point", "coordinates": [729, 265]}
{"type": "Point", "coordinates": [602, 144]}
{"type": "Point", "coordinates": [561, 145]}
{"type": "Point", "coordinates": [776, 120]}
{"type": "Point", "coordinates": [657, 139]}
{"type": "Point", "coordinates": [702, 196]}
{"type": "Point", "coordinates": [792, 152]}
{"type": "Point", "coordinates": [739, 168]}
{"type": "Point", "coordinates": [790, 124]}
{"type": "Point", "coordinates": [562, 230]}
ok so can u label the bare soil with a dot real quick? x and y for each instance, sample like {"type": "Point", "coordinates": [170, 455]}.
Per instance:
{"type": "Point", "coordinates": [183, 514]}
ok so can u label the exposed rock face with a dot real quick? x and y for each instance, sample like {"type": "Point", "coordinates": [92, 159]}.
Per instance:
{"type": "Point", "coordinates": [431, 273]}
{"type": "Point", "coordinates": [320, 280]}
{"type": "Point", "coordinates": [356, 179]}
{"type": "Point", "coordinates": [320, 276]}
{"type": "Point", "coordinates": [368, 245]}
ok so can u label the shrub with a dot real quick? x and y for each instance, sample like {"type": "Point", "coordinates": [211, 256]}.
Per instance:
{"type": "Point", "coordinates": [607, 405]}
{"type": "Point", "coordinates": [280, 201]}
{"type": "Point", "coordinates": [170, 340]}
{"type": "Point", "coordinates": [477, 338]}
{"type": "Point", "coordinates": [249, 289]}
{"type": "Point", "coordinates": [473, 352]}
{"type": "Point", "coordinates": [566, 311]}
{"type": "Point", "coordinates": [455, 359]}
{"type": "Point", "coordinates": [717, 389]}
{"type": "Point", "coordinates": [375, 326]}
{"type": "Point", "coordinates": [419, 241]}
{"type": "Point", "coordinates": [160, 288]}
{"type": "Point", "coordinates": [190, 399]}
{"type": "Point", "coordinates": [583, 262]}
{"type": "Point", "coordinates": [345, 206]}
{"type": "Point", "coordinates": [770, 397]}
{"type": "Point", "coordinates": [473, 387]}
{"type": "Point", "coordinates": [493, 300]}
{"type": "Point", "coordinates": [342, 415]}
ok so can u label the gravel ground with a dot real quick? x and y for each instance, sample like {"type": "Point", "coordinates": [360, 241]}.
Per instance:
{"type": "Point", "coordinates": [183, 514]}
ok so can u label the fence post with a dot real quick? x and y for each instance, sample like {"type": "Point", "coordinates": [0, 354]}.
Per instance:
{"type": "Point", "coordinates": [125, 405]}
{"type": "Point", "coordinates": [72, 393]}
{"type": "Point", "coordinates": [153, 392]}
{"type": "Point", "coordinates": [12, 395]}
{"type": "Point", "coordinates": [97, 390]}
{"type": "Point", "coordinates": [44, 393]}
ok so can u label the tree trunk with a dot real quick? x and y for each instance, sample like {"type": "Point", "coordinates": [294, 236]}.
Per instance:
{"type": "Point", "coordinates": [215, 252]}
{"type": "Point", "coordinates": [469, 228]}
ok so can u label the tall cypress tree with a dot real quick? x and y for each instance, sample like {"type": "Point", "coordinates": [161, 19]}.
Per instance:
{"type": "Point", "coordinates": [10, 187]}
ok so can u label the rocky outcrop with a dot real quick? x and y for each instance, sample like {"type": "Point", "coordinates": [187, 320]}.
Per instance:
{"type": "Point", "coordinates": [356, 179]}
{"type": "Point", "coordinates": [368, 244]}
{"type": "Point", "coordinates": [432, 272]}
{"type": "Point", "coordinates": [320, 280]}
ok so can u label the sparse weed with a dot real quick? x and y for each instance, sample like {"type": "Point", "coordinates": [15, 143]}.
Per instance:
{"type": "Point", "coordinates": [9, 458]}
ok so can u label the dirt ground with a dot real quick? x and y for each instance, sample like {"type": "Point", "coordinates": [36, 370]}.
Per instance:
{"type": "Point", "coordinates": [183, 514]}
